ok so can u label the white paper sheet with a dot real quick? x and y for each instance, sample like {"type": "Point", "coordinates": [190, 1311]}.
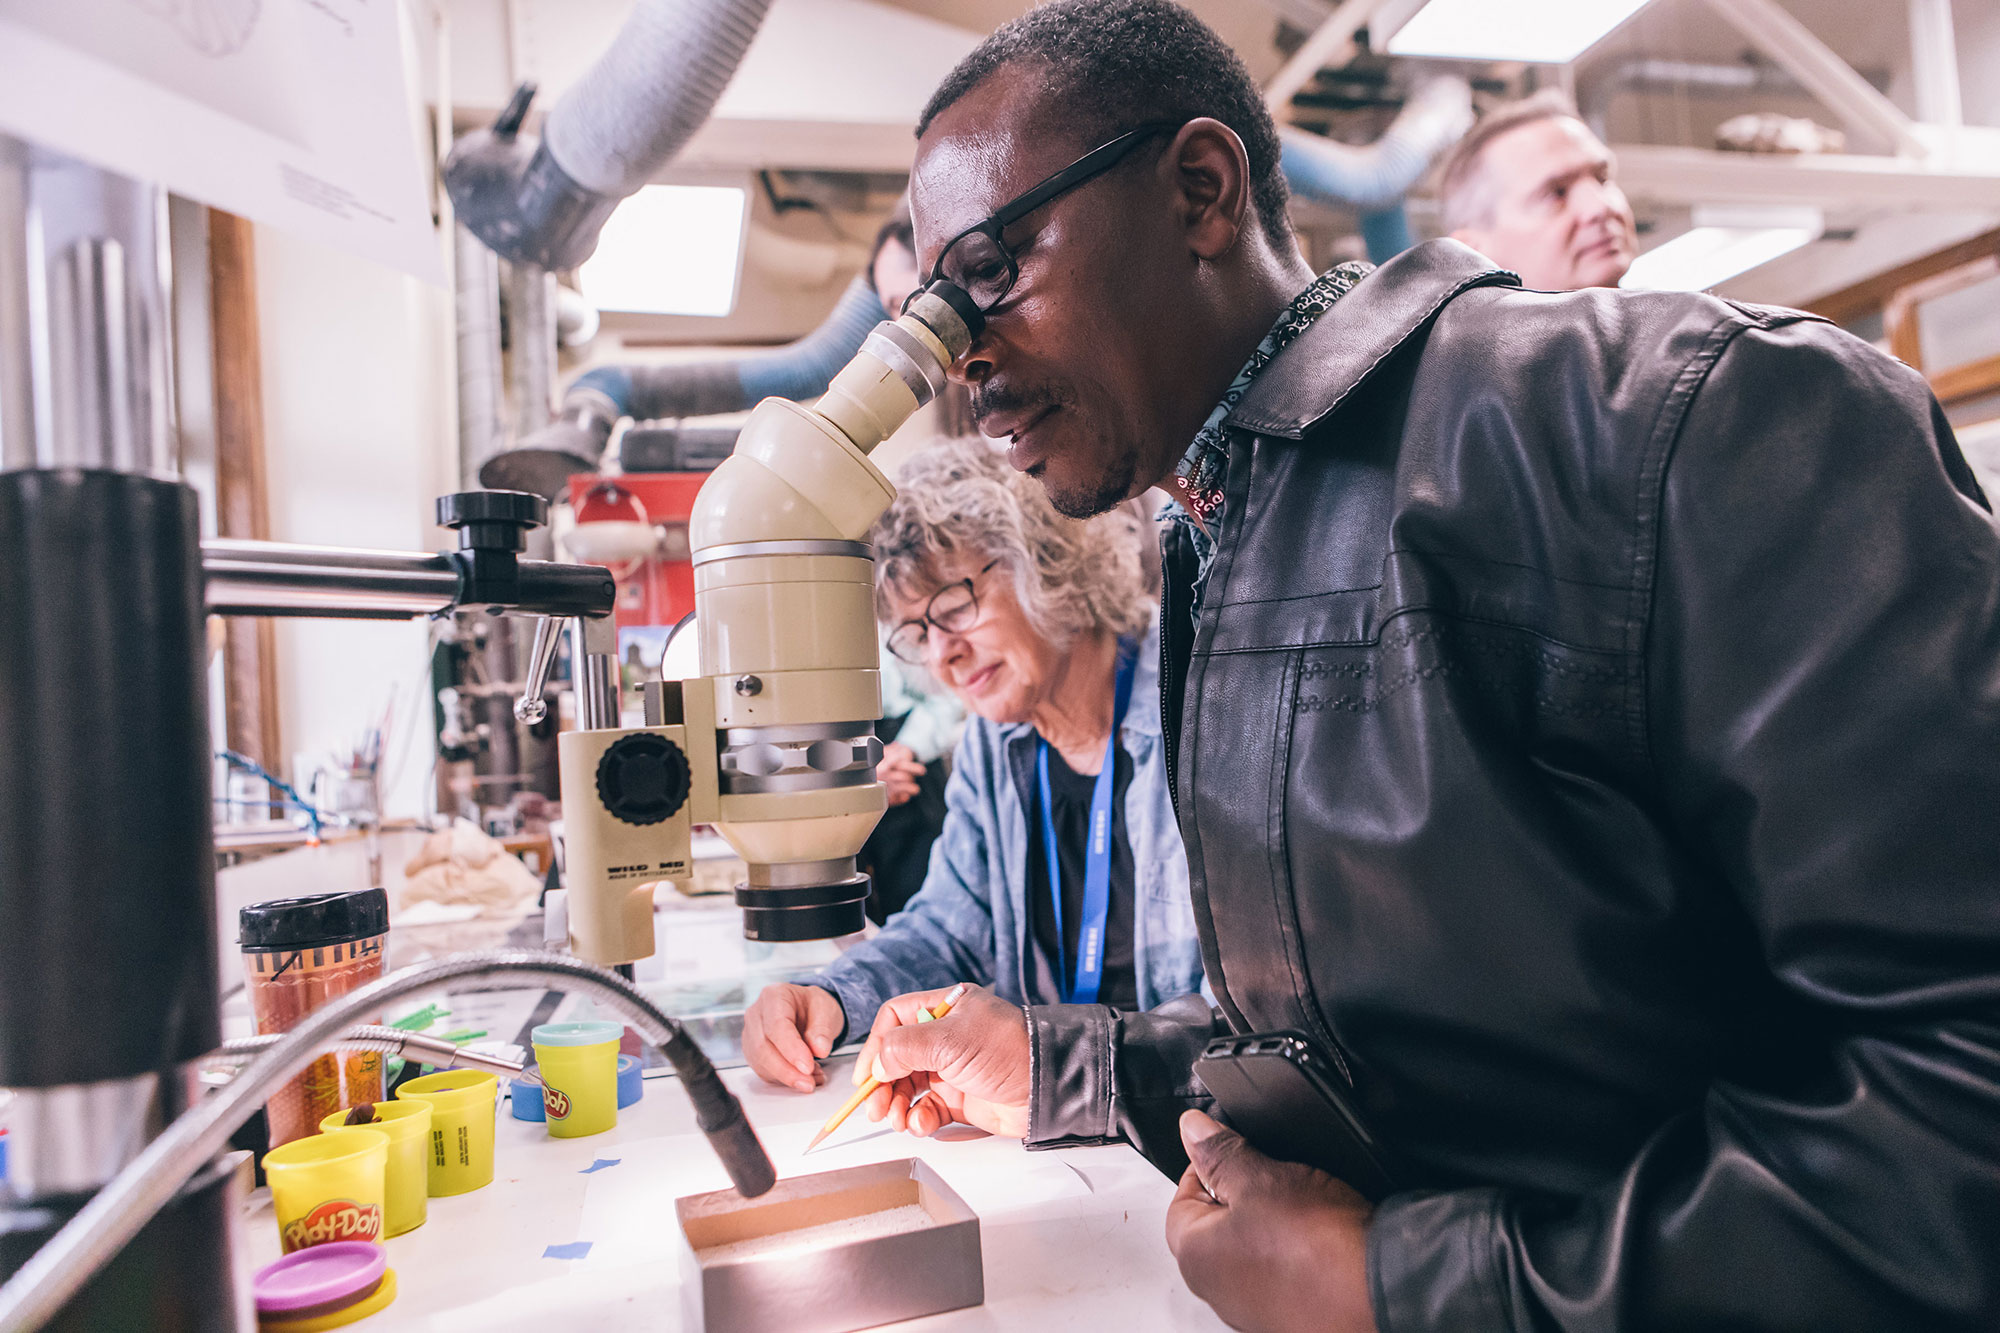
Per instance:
{"type": "Point", "coordinates": [294, 113]}
{"type": "Point", "coordinates": [628, 1210]}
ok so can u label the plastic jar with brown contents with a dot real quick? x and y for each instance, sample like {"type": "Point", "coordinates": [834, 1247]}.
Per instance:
{"type": "Point", "coordinates": [299, 953]}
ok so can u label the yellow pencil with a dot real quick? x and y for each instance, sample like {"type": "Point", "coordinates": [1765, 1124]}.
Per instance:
{"type": "Point", "coordinates": [938, 1010]}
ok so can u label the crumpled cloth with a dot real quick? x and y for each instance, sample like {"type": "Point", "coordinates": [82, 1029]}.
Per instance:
{"type": "Point", "coordinates": [460, 867]}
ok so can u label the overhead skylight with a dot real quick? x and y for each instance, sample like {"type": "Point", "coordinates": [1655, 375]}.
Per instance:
{"type": "Point", "coordinates": [1723, 243]}
{"type": "Point", "coordinates": [670, 250]}
{"type": "Point", "coordinates": [1548, 32]}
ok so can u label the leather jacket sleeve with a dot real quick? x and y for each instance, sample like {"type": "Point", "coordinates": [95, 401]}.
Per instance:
{"type": "Point", "coordinates": [1823, 721]}
{"type": "Point", "coordinates": [1097, 1075]}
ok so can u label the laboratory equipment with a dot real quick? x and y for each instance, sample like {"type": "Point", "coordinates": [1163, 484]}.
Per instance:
{"type": "Point", "coordinates": [773, 744]}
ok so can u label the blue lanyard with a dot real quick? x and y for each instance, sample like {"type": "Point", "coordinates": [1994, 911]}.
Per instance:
{"type": "Point", "coordinates": [1097, 855]}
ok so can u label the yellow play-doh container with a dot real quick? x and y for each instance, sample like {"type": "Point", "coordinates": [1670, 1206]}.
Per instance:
{"type": "Point", "coordinates": [462, 1108]}
{"type": "Point", "coordinates": [329, 1187]}
{"type": "Point", "coordinates": [579, 1068]}
{"type": "Point", "coordinates": [407, 1188]}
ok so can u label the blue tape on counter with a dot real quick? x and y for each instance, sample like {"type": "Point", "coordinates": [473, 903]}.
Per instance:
{"type": "Point", "coordinates": [576, 1249]}
{"type": "Point", "coordinates": [600, 1164]}
{"type": "Point", "coordinates": [525, 1099]}
{"type": "Point", "coordinates": [630, 1086]}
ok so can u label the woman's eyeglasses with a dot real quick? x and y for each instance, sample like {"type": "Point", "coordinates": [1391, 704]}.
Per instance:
{"type": "Point", "coordinates": [980, 263]}
{"type": "Point", "coordinates": [953, 608]}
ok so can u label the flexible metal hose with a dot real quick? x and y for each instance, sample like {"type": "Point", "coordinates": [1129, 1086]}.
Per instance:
{"type": "Point", "coordinates": [414, 1046]}
{"type": "Point", "coordinates": [103, 1226]}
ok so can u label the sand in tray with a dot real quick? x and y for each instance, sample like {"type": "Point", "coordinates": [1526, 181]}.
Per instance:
{"type": "Point", "coordinates": [868, 1226]}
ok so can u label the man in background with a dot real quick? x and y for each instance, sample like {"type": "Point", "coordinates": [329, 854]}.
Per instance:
{"type": "Point", "coordinates": [1531, 188]}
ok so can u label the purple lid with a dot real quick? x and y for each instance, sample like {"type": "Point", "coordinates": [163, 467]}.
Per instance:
{"type": "Point", "coordinates": [338, 1271]}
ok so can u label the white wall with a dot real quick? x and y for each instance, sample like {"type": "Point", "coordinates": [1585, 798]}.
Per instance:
{"type": "Point", "coordinates": [358, 421]}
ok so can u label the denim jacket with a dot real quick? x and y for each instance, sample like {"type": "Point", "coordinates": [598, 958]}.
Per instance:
{"type": "Point", "coordinates": [970, 921]}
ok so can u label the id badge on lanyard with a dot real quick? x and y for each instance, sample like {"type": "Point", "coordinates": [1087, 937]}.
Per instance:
{"type": "Point", "coordinates": [1089, 977]}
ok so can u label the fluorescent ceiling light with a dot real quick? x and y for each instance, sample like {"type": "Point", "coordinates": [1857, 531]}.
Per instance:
{"type": "Point", "coordinates": [1723, 243]}
{"type": "Point", "coordinates": [1547, 32]}
{"type": "Point", "coordinates": [669, 250]}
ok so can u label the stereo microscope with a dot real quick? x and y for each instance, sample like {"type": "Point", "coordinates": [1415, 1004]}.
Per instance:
{"type": "Point", "coordinates": [773, 744]}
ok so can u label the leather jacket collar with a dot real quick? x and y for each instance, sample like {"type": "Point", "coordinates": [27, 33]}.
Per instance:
{"type": "Point", "coordinates": [1319, 368]}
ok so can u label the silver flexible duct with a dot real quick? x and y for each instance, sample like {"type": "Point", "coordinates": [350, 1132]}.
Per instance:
{"type": "Point", "coordinates": [627, 117]}
{"type": "Point", "coordinates": [476, 278]}
{"type": "Point", "coordinates": [1380, 173]}
{"type": "Point", "coordinates": [654, 86]}
{"type": "Point", "coordinates": [57, 1271]}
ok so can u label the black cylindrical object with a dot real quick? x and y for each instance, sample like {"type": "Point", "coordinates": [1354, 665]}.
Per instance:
{"type": "Point", "coordinates": [107, 876]}
{"type": "Point", "coordinates": [176, 1276]}
{"type": "Point", "coordinates": [795, 913]}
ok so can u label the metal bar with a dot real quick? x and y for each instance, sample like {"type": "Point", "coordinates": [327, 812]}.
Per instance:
{"type": "Point", "coordinates": [1832, 180]}
{"type": "Point", "coordinates": [275, 578]}
{"type": "Point", "coordinates": [530, 708]}
{"type": "Point", "coordinates": [1934, 63]}
{"type": "Point", "coordinates": [531, 346]}
{"type": "Point", "coordinates": [1330, 44]}
{"type": "Point", "coordinates": [593, 657]}
{"type": "Point", "coordinates": [1822, 72]}
{"type": "Point", "coordinates": [17, 363]}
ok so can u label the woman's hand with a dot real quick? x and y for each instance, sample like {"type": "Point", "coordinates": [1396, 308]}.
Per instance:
{"type": "Point", "coordinates": [972, 1063]}
{"type": "Point", "coordinates": [899, 771]}
{"type": "Point", "coordinates": [788, 1031]}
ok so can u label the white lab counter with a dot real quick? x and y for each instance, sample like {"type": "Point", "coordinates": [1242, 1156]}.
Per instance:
{"type": "Point", "coordinates": [1071, 1239]}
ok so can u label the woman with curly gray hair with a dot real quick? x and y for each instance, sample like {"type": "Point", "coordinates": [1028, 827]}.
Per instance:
{"type": "Point", "coordinates": [1042, 627]}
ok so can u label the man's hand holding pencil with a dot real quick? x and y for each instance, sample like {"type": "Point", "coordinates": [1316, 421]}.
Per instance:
{"type": "Point", "coordinates": [969, 1067]}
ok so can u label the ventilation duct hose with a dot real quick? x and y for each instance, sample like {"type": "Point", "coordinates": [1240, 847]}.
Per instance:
{"type": "Point", "coordinates": [598, 399]}
{"type": "Point", "coordinates": [629, 115]}
{"type": "Point", "coordinates": [1374, 177]}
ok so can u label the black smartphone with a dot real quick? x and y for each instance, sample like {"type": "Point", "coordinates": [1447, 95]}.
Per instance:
{"type": "Point", "coordinates": [1291, 1102]}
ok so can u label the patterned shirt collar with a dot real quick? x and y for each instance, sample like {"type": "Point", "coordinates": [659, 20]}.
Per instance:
{"type": "Point", "coordinates": [1202, 466]}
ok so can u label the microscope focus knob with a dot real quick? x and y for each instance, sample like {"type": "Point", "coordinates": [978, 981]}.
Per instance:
{"type": "Point", "coordinates": [642, 778]}
{"type": "Point", "coordinates": [492, 520]}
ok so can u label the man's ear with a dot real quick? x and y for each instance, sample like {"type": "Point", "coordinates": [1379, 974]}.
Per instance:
{"type": "Point", "coordinates": [1210, 177]}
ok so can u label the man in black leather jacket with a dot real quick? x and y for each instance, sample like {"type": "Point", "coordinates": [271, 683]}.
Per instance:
{"type": "Point", "coordinates": [1588, 717]}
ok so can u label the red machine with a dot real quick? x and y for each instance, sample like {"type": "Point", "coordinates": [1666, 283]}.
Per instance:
{"type": "Point", "coordinates": [636, 525]}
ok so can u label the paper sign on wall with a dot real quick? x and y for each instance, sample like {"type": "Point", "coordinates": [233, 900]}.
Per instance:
{"type": "Point", "coordinates": [294, 113]}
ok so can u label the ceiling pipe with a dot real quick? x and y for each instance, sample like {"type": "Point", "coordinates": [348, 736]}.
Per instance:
{"type": "Point", "coordinates": [543, 204]}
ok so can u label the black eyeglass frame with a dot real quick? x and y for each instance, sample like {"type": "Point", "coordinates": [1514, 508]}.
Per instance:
{"type": "Point", "coordinates": [1088, 167]}
{"type": "Point", "coordinates": [927, 619]}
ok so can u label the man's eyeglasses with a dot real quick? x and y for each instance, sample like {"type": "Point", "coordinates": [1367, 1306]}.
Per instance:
{"type": "Point", "coordinates": [978, 261]}
{"type": "Point", "coordinates": [954, 608]}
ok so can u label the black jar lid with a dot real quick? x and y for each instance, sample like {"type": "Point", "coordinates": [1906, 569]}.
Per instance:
{"type": "Point", "coordinates": [320, 919]}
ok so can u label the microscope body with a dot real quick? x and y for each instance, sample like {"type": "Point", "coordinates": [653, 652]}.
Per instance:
{"type": "Point", "coordinates": [774, 743]}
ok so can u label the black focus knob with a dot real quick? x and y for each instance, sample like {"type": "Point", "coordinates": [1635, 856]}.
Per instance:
{"type": "Point", "coordinates": [642, 778]}
{"type": "Point", "coordinates": [492, 520]}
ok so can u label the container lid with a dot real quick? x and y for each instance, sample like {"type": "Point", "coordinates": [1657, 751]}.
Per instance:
{"type": "Point", "coordinates": [594, 1033]}
{"type": "Point", "coordinates": [322, 918]}
{"type": "Point", "coordinates": [337, 1271]}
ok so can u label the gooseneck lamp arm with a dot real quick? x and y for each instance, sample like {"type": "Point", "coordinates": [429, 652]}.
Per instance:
{"type": "Point", "coordinates": [55, 1273]}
